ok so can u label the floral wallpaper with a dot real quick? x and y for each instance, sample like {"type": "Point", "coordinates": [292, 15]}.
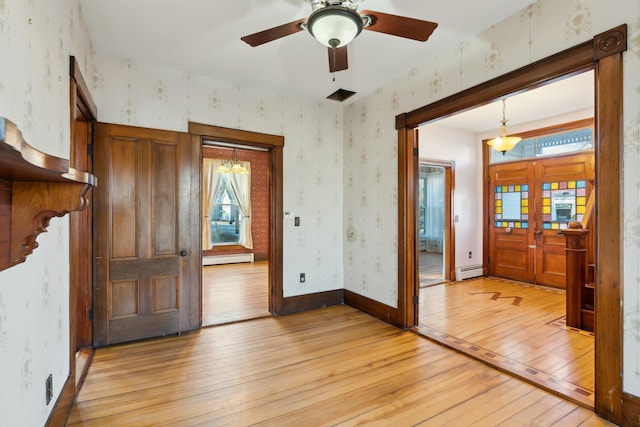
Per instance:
{"type": "Point", "coordinates": [36, 39]}
{"type": "Point", "coordinates": [146, 95]}
{"type": "Point", "coordinates": [543, 28]}
{"type": "Point", "coordinates": [340, 162]}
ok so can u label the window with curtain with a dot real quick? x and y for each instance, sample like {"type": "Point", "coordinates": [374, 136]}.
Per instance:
{"type": "Point", "coordinates": [226, 205]}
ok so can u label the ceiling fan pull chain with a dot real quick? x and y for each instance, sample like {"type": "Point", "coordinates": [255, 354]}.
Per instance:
{"type": "Point", "coordinates": [334, 64]}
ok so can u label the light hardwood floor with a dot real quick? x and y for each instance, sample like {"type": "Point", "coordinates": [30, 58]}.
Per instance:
{"type": "Point", "coordinates": [234, 292]}
{"type": "Point", "coordinates": [515, 327]}
{"type": "Point", "coordinates": [430, 268]}
{"type": "Point", "coordinates": [327, 367]}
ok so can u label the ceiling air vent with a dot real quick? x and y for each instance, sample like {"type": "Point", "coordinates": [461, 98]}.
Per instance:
{"type": "Point", "coordinates": [340, 95]}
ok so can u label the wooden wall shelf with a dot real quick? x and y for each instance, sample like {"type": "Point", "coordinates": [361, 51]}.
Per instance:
{"type": "Point", "coordinates": [34, 187]}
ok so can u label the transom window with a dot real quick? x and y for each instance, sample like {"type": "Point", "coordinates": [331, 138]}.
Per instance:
{"type": "Point", "coordinates": [564, 139]}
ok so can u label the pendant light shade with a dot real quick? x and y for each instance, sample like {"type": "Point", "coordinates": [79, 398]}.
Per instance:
{"type": "Point", "coordinates": [334, 26]}
{"type": "Point", "coordinates": [222, 169]}
{"type": "Point", "coordinates": [504, 143]}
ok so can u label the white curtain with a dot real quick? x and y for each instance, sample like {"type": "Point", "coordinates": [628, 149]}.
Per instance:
{"type": "Point", "coordinates": [241, 186]}
{"type": "Point", "coordinates": [434, 212]}
{"type": "Point", "coordinates": [210, 184]}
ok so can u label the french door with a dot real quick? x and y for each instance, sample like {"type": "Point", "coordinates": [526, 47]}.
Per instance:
{"type": "Point", "coordinates": [530, 202]}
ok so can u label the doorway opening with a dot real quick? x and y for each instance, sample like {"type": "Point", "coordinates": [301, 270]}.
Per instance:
{"type": "Point", "coordinates": [235, 232]}
{"type": "Point", "coordinates": [436, 240]}
{"type": "Point", "coordinates": [606, 58]}
{"type": "Point", "coordinates": [505, 319]}
{"type": "Point", "coordinates": [272, 146]}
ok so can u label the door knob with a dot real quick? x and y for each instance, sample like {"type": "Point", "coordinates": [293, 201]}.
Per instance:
{"type": "Point", "coordinates": [183, 253]}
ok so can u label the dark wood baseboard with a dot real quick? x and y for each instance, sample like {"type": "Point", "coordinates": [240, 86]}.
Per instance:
{"type": "Point", "coordinates": [371, 307]}
{"type": "Point", "coordinates": [312, 301]}
{"type": "Point", "coordinates": [630, 410]}
{"type": "Point", "coordinates": [60, 412]}
{"type": "Point", "coordinates": [66, 399]}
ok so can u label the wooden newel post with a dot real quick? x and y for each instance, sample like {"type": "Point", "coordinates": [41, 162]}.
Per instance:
{"type": "Point", "coordinates": [576, 270]}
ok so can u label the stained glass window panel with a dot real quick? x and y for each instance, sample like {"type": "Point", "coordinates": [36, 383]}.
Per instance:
{"type": "Point", "coordinates": [511, 206]}
{"type": "Point", "coordinates": [562, 203]}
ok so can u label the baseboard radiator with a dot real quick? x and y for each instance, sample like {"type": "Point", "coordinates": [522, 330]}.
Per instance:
{"type": "Point", "coordinates": [226, 259]}
{"type": "Point", "coordinates": [468, 272]}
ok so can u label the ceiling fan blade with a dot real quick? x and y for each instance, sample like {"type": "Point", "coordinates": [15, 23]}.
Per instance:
{"type": "Point", "coordinates": [401, 26]}
{"type": "Point", "coordinates": [273, 33]}
{"type": "Point", "coordinates": [338, 59]}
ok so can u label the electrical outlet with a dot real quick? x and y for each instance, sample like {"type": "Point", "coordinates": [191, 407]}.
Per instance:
{"type": "Point", "coordinates": [469, 254]}
{"type": "Point", "coordinates": [49, 389]}
{"type": "Point", "coordinates": [302, 277]}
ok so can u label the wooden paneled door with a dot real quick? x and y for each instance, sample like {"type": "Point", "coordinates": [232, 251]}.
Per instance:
{"type": "Point", "coordinates": [147, 245]}
{"type": "Point", "coordinates": [563, 188]}
{"type": "Point", "coordinates": [511, 237]}
{"type": "Point", "coordinates": [530, 202]}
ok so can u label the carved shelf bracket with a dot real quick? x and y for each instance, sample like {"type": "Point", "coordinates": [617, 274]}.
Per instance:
{"type": "Point", "coordinates": [34, 187]}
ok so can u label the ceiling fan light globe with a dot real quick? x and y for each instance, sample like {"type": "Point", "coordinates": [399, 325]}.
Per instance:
{"type": "Point", "coordinates": [334, 26]}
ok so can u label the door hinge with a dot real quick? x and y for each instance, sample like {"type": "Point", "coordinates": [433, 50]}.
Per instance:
{"type": "Point", "coordinates": [415, 151]}
{"type": "Point", "coordinates": [90, 149]}
{"type": "Point", "coordinates": [90, 314]}
{"type": "Point", "coordinates": [416, 300]}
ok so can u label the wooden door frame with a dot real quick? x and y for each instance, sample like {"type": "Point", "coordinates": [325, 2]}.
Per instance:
{"type": "Point", "coordinates": [79, 97]}
{"type": "Point", "coordinates": [274, 144]}
{"type": "Point", "coordinates": [603, 54]}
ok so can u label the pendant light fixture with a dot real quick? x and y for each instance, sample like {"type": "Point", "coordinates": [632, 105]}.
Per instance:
{"type": "Point", "coordinates": [232, 165]}
{"type": "Point", "coordinates": [504, 143]}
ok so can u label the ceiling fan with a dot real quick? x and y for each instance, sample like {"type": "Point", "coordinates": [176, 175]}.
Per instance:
{"type": "Point", "coordinates": [336, 23]}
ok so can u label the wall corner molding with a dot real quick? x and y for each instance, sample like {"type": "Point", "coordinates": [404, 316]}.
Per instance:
{"type": "Point", "coordinates": [610, 42]}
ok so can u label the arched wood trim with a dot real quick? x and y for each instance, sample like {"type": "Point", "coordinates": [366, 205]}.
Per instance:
{"type": "Point", "coordinates": [604, 54]}
{"type": "Point", "coordinates": [275, 144]}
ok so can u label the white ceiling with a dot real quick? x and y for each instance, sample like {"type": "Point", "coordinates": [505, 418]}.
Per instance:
{"type": "Point", "coordinates": [570, 95]}
{"type": "Point", "coordinates": [203, 37]}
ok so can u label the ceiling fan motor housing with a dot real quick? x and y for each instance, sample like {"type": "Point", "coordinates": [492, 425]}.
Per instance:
{"type": "Point", "coordinates": [319, 4]}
